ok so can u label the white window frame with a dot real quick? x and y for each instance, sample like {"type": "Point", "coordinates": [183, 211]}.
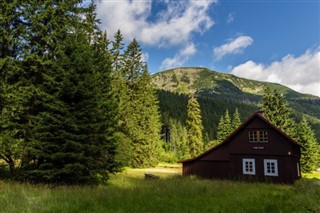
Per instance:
{"type": "Point", "coordinates": [275, 164]}
{"type": "Point", "coordinates": [244, 170]}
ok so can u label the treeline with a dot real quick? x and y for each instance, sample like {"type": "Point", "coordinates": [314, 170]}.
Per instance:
{"type": "Point", "coordinates": [175, 116]}
{"type": "Point", "coordinates": [75, 106]}
{"type": "Point", "coordinates": [173, 107]}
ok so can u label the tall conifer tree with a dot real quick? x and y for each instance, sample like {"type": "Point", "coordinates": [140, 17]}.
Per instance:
{"type": "Point", "coordinates": [194, 127]}
{"type": "Point", "coordinates": [236, 120]}
{"type": "Point", "coordinates": [178, 139]}
{"type": "Point", "coordinates": [224, 127]}
{"type": "Point", "coordinates": [139, 120]}
{"type": "Point", "coordinates": [149, 121]}
{"type": "Point", "coordinates": [310, 151]}
{"type": "Point", "coordinates": [277, 111]}
{"type": "Point", "coordinates": [15, 88]}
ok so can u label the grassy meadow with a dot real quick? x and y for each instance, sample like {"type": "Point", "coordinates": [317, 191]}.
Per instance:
{"type": "Point", "coordinates": [130, 192]}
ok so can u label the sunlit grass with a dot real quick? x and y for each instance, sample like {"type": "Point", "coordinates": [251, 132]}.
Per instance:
{"type": "Point", "coordinates": [130, 192]}
{"type": "Point", "coordinates": [312, 175]}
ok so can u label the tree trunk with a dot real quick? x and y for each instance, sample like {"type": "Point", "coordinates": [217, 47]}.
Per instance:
{"type": "Point", "coordinates": [11, 167]}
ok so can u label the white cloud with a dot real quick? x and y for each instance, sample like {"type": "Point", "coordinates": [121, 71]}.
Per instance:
{"type": "Point", "coordinates": [189, 50]}
{"type": "Point", "coordinates": [230, 18]}
{"type": "Point", "coordinates": [180, 58]}
{"type": "Point", "coordinates": [171, 26]}
{"type": "Point", "coordinates": [233, 46]}
{"type": "Point", "coordinates": [300, 73]}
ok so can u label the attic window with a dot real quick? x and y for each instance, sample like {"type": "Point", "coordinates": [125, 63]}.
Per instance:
{"type": "Point", "coordinates": [258, 136]}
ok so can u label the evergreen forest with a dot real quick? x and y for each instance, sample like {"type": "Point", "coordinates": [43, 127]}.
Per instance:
{"type": "Point", "coordinates": [75, 104]}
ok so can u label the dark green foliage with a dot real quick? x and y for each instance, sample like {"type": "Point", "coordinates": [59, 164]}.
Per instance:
{"type": "Point", "coordinates": [146, 148]}
{"type": "Point", "coordinates": [172, 105]}
{"type": "Point", "coordinates": [227, 125]}
{"type": "Point", "coordinates": [194, 127]}
{"type": "Point", "coordinates": [15, 88]}
{"type": "Point", "coordinates": [178, 140]}
{"type": "Point", "coordinates": [57, 112]}
{"type": "Point", "coordinates": [236, 120]}
{"type": "Point", "coordinates": [278, 112]}
{"type": "Point", "coordinates": [73, 132]}
{"type": "Point", "coordinates": [139, 120]}
{"type": "Point", "coordinates": [14, 98]}
{"type": "Point", "coordinates": [310, 150]}
{"type": "Point", "coordinates": [173, 111]}
{"type": "Point", "coordinates": [224, 127]}
{"type": "Point", "coordinates": [116, 52]}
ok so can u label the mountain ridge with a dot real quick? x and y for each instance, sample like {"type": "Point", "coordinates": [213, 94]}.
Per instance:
{"type": "Point", "coordinates": [184, 73]}
{"type": "Point", "coordinates": [230, 92]}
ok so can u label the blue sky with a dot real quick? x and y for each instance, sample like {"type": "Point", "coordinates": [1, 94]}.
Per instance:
{"type": "Point", "coordinates": [269, 40]}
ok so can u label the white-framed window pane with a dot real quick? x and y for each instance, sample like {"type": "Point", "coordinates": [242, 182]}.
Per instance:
{"type": "Point", "coordinates": [270, 167]}
{"type": "Point", "coordinates": [248, 166]}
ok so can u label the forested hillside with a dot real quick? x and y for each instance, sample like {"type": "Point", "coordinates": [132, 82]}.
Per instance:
{"type": "Point", "coordinates": [218, 92]}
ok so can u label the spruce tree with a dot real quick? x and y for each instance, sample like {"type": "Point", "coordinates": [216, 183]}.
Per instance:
{"type": "Point", "coordinates": [224, 127]}
{"type": "Point", "coordinates": [194, 127]}
{"type": "Point", "coordinates": [107, 105]}
{"type": "Point", "coordinates": [310, 148]}
{"type": "Point", "coordinates": [149, 121]}
{"type": "Point", "coordinates": [236, 120]}
{"type": "Point", "coordinates": [277, 111]}
{"type": "Point", "coordinates": [15, 89]}
{"type": "Point", "coordinates": [121, 95]}
{"type": "Point", "coordinates": [14, 108]}
{"type": "Point", "coordinates": [117, 51]}
{"type": "Point", "coordinates": [139, 120]}
{"type": "Point", "coordinates": [178, 139]}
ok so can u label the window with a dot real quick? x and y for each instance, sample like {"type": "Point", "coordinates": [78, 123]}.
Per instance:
{"type": "Point", "coordinates": [248, 166]}
{"type": "Point", "coordinates": [270, 167]}
{"type": "Point", "coordinates": [298, 169]}
{"type": "Point", "coordinates": [258, 136]}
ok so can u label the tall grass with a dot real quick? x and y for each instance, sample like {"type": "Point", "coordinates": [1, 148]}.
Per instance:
{"type": "Point", "coordinates": [130, 192]}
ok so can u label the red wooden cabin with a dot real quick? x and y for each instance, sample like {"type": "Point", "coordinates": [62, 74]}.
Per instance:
{"type": "Point", "coordinates": [257, 150]}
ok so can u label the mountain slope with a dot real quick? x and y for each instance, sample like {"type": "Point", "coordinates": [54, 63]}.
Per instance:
{"type": "Point", "coordinates": [209, 83]}
{"type": "Point", "coordinates": [212, 86]}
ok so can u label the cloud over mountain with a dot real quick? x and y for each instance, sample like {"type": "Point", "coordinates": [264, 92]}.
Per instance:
{"type": "Point", "coordinates": [300, 73]}
{"type": "Point", "coordinates": [180, 58]}
{"type": "Point", "coordinates": [233, 46]}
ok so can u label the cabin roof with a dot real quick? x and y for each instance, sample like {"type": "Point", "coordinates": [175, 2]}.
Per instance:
{"type": "Point", "coordinates": [242, 126]}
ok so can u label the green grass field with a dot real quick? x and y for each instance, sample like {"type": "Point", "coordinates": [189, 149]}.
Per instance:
{"type": "Point", "coordinates": [130, 192]}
